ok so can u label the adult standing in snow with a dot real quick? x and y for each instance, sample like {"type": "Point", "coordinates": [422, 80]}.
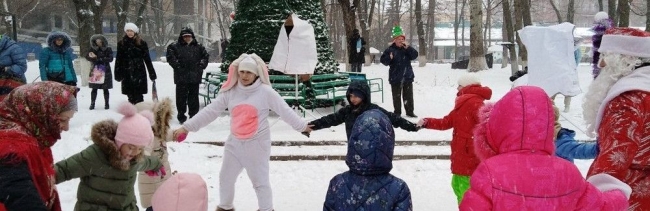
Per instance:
{"type": "Point", "coordinates": [55, 60]}
{"type": "Point", "coordinates": [617, 110]}
{"type": "Point", "coordinates": [400, 74]}
{"type": "Point", "coordinates": [13, 65]}
{"type": "Point", "coordinates": [602, 22]}
{"type": "Point", "coordinates": [32, 118]}
{"type": "Point", "coordinates": [369, 158]}
{"type": "Point", "coordinates": [463, 118]}
{"type": "Point", "coordinates": [188, 58]}
{"type": "Point", "coordinates": [518, 166]}
{"type": "Point", "coordinates": [131, 63]}
{"type": "Point", "coordinates": [248, 95]}
{"type": "Point", "coordinates": [101, 55]}
{"type": "Point", "coordinates": [357, 50]}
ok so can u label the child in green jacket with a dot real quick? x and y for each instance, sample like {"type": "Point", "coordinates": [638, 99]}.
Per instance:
{"type": "Point", "coordinates": [108, 168]}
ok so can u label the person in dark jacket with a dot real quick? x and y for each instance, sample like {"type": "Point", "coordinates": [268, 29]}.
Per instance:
{"type": "Point", "coordinates": [400, 74]}
{"type": "Point", "coordinates": [188, 58]}
{"type": "Point", "coordinates": [463, 119]}
{"type": "Point", "coordinates": [55, 60]}
{"type": "Point", "coordinates": [357, 50]}
{"type": "Point", "coordinates": [224, 47]}
{"type": "Point", "coordinates": [32, 118]}
{"type": "Point", "coordinates": [101, 56]}
{"type": "Point", "coordinates": [13, 65]}
{"type": "Point", "coordinates": [368, 185]}
{"type": "Point", "coordinates": [358, 96]}
{"type": "Point", "coordinates": [132, 57]}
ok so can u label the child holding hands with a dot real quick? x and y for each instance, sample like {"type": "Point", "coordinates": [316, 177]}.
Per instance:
{"type": "Point", "coordinates": [109, 166]}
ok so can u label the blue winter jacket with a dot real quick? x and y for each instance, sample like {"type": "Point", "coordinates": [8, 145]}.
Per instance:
{"type": "Point", "coordinates": [368, 185]}
{"type": "Point", "coordinates": [400, 66]}
{"type": "Point", "coordinates": [54, 59]}
{"type": "Point", "coordinates": [568, 148]}
{"type": "Point", "coordinates": [13, 56]}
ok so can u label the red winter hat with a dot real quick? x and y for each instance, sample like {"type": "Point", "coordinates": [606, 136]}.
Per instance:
{"type": "Point", "coordinates": [626, 41]}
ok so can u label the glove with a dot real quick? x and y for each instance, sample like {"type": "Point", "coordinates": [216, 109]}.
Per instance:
{"type": "Point", "coordinates": [422, 122]}
{"type": "Point", "coordinates": [181, 137]}
{"type": "Point", "coordinates": [160, 172]}
{"type": "Point", "coordinates": [152, 77]}
{"type": "Point", "coordinates": [605, 182]}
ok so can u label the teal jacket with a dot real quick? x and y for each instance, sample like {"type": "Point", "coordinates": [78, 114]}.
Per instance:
{"type": "Point", "coordinates": [54, 59]}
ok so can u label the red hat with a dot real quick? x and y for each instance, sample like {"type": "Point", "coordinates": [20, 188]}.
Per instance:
{"type": "Point", "coordinates": [626, 41]}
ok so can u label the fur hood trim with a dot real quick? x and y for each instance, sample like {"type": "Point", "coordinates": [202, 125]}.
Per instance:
{"type": "Point", "coordinates": [162, 116]}
{"type": "Point", "coordinates": [103, 135]}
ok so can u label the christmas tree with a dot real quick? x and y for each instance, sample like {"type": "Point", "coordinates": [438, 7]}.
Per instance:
{"type": "Point", "coordinates": [257, 24]}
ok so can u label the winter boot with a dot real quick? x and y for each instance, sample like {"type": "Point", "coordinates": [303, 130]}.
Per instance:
{"type": "Point", "coordinates": [106, 97]}
{"type": "Point", "coordinates": [222, 209]}
{"type": "Point", "coordinates": [92, 105]}
{"type": "Point", "coordinates": [93, 97]}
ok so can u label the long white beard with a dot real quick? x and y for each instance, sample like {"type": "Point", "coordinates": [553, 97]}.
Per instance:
{"type": "Point", "coordinates": [617, 66]}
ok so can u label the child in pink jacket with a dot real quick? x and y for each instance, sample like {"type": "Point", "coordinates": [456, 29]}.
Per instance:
{"type": "Point", "coordinates": [519, 171]}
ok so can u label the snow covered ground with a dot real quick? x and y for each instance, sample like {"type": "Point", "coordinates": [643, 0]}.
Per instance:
{"type": "Point", "coordinates": [302, 185]}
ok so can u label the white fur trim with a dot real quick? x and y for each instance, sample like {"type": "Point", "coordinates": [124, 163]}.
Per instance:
{"type": "Point", "coordinates": [605, 182]}
{"type": "Point", "coordinates": [131, 26]}
{"type": "Point", "coordinates": [468, 79]}
{"type": "Point", "coordinates": [626, 45]}
{"type": "Point", "coordinates": [639, 79]}
{"type": "Point", "coordinates": [600, 16]}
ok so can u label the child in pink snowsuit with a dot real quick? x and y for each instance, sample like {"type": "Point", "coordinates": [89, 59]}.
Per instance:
{"type": "Point", "coordinates": [248, 95]}
{"type": "Point", "coordinates": [518, 169]}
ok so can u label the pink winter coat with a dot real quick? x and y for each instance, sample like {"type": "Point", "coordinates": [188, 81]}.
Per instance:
{"type": "Point", "coordinates": [519, 171]}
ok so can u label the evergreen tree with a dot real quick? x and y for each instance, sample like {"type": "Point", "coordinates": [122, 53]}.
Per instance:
{"type": "Point", "coordinates": [257, 25]}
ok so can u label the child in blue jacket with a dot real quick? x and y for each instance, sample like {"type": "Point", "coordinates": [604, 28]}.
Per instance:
{"type": "Point", "coordinates": [566, 145]}
{"type": "Point", "coordinates": [369, 157]}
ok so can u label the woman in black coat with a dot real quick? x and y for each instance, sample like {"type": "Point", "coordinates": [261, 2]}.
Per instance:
{"type": "Point", "coordinates": [100, 55]}
{"type": "Point", "coordinates": [132, 56]}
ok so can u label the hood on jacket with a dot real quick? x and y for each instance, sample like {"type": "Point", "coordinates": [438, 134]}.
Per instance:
{"type": "Point", "coordinates": [94, 46]}
{"type": "Point", "coordinates": [521, 121]}
{"type": "Point", "coordinates": [482, 91]}
{"type": "Point", "coordinates": [362, 87]}
{"type": "Point", "coordinates": [183, 191]}
{"type": "Point", "coordinates": [5, 42]}
{"type": "Point", "coordinates": [163, 113]}
{"type": "Point", "coordinates": [67, 42]}
{"type": "Point", "coordinates": [186, 30]}
{"type": "Point", "coordinates": [371, 144]}
{"type": "Point", "coordinates": [103, 135]}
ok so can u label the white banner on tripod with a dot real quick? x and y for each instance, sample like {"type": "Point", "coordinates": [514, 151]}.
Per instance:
{"type": "Point", "coordinates": [295, 52]}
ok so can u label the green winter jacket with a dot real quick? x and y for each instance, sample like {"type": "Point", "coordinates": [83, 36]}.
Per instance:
{"type": "Point", "coordinates": [105, 182]}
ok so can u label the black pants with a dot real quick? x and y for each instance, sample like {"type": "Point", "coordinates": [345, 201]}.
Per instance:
{"type": "Point", "coordinates": [93, 96]}
{"type": "Point", "coordinates": [405, 89]}
{"type": "Point", "coordinates": [135, 98]}
{"type": "Point", "coordinates": [356, 67]}
{"type": "Point", "coordinates": [187, 98]}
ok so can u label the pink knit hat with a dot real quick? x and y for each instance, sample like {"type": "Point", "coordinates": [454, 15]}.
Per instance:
{"type": "Point", "coordinates": [134, 128]}
{"type": "Point", "coordinates": [183, 191]}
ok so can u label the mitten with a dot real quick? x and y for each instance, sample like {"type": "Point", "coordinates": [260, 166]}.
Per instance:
{"type": "Point", "coordinates": [605, 182]}
{"type": "Point", "coordinates": [160, 172]}
{"type": "Point", "coordinates": [422, 122]}
{"type": "Point", "coordinates": [181, 137]}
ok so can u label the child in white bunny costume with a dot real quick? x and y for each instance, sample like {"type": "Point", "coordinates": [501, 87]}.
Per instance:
{"type": "Point", "coordinates": [248, 95]}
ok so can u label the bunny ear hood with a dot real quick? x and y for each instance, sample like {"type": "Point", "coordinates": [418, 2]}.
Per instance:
{"type": "Point", "coordinates": [261, 70]}
{"type": "Point", "coordinates": [523, 120]}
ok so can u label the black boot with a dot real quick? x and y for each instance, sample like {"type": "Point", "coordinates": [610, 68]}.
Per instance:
{"type": "Point", "coordinates": [106, 97]}
{"type": "Point", "coordinates": [93, 97]}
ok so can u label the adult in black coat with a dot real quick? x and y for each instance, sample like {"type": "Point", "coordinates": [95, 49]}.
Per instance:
{"type": "Point", "coordinates": [356, 58]}
{"type": "Point", "coordinates": [358, 96]}
{"type": "Point", "coordinates": [132, 56]}
{"type": "Point", "coordinates": [400, 74]}
{"type": "Point", "coordinates": [188, 58]}
{"type": "Point", "coordinates": [100, 54]}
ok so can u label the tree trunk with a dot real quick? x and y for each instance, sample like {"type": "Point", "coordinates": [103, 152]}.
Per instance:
{"type": "Point", "coordinates": [557, 12]}
{"type": "Point", "coordinates": [647, 15]}
{"type": "Point", "coordinates": [462, 24]}
{"type": "Point", "coordinates": [431, 34]}
{"type": "Point", "coordinates": [139, 20]}
{"type": "Point", "coordinates": [525, 12]}
{"type": "Point", "coordinates": [487, 30]}
{"type": "Point", "coordinates": [611, 11]}
{"type": "Point", "coordinates": [477, 52]}
{"type": "Point", "coordinates": [570, 11]}
{"type": "Point", "coordinates": [504, 52]}
{"type": "Point", "coordinates": [349, 18]}
{"type": "Point", "coordinates": [411, 24]}
{"type": "Point", "coordinates": [121, 8]}
{"type": "Point", "coordinates": [422, 45]}
{"type": "Point", "coordinates": [365, 21]}
{"type": "Point", "coordinates": [158, 32]}
{"type": "Point", "coordinates": [98, 10]}
{"type": "Point", "coordinates": [600, 5]}
{"type": "Point", "coordinates": [85, 19]}
{"type": "Point", "coordinates": [510, 34]}
{"type": "Point", "coordinates": [518, 24]}
{"type": "Point", "coordinates": [456, 23]}
{"type": "Point", "coordinates": [623, 13]}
